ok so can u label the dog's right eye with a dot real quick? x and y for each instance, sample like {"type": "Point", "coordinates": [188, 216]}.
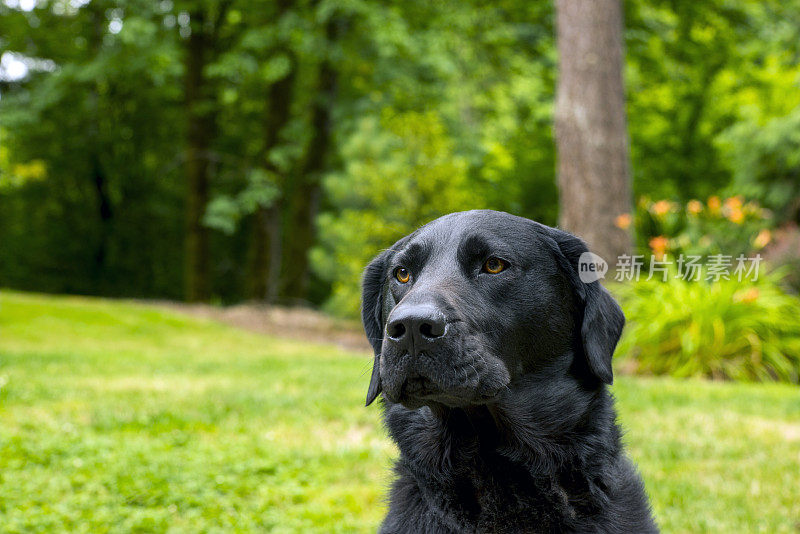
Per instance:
{"type": "Point", "coordinates": [402, 275]}
{"type": "Point", "coordinates": [494, 265]}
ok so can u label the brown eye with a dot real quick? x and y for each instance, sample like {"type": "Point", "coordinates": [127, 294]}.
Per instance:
{"type": "Point", "coordinates": [402, 275]}
{"type": "Point", "coordinates": [494, 265]}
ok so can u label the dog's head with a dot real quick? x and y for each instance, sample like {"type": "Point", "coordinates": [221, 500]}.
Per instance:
{"type": "Point", "coordinates": [470, 302]}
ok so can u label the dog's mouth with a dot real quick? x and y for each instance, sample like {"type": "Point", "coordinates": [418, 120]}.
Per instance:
{"type": "Point", "coordinates": [415, 389]}
{"type": "Point", "coordinates": [428, 397]}
{"type": "Point", "coordinates": [419, 386]}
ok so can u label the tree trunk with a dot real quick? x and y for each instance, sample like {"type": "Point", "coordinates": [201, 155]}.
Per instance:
{"type": "Point", "coordinates": [199, 135]}
{"type": "Point", "coordinates": [299, 237]}
{"type": "Point", "coordinates": [306, 188]}
{"type": "Point", "coordinates": [265, 253]}
{"type": "Point", "coordinates": [98, 174]}
{"type": "Point", "coordinates": [591, 136]}
{"type": "Point", "coordinates": [104, 211]}
{"type": "Point", "coordinates": [265, 242]}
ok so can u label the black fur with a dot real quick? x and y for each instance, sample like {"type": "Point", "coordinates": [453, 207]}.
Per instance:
{"type": "Point", "coordinates": [494, 385]}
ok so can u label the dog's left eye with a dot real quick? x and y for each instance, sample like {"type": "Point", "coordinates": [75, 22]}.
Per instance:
{"type": "Point", "coordinates": [402, 275]}
{"type": "Point", "coordinates": [494, 265]}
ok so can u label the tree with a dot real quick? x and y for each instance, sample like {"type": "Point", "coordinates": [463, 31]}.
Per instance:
{"type": "Point", "coordinates": [676, 118]}
{"type": "Point", "coordinates": [591, 137]}
{"type": "Point", "coordinates": [202, 47]}
{"type": "Point", "coordinates": [304, 192]}
{"type": "Point", "coordinates": [92, 125]}
{"type": "Point", "coordinates": [265, 241]}
{"type": "Point", "coordinates": [300, 123]}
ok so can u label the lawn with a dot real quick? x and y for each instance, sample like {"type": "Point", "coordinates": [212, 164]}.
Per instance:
{"type": "Point", "coordinates": [121, 417]}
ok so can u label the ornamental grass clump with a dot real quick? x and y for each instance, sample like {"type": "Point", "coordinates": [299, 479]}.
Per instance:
{"type": "Point", "coordinates": [725, 329]}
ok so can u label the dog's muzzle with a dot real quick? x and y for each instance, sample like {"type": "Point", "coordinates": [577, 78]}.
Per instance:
{"type": "Point", "coordinates": [426, 359]}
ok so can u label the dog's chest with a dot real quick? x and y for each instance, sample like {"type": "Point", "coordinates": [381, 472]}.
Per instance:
{"type": "Point", "coordinates": [509, 499]}
{"type": "Point", "coordinates": [494, 495]}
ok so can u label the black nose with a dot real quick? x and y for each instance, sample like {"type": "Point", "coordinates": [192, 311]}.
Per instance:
{"type": "Point", "coordinates": [415, 327]}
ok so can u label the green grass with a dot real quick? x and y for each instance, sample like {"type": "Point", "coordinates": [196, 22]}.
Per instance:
{"type": "Point", "coordinates": [121, 417]}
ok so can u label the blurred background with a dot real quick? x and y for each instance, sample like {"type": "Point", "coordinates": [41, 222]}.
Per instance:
{"type": "Point", "coordinates": [236, 163]}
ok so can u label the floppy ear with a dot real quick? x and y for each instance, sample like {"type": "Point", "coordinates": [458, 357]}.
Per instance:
{"type": "Point", "coordinates": [603, 321]}
{"type": "Point", "coordinates": [600, 318]}
{"type": "Point", "coordinates": [372, 312]}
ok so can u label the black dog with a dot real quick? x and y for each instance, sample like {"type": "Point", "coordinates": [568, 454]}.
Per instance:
{"type": "Point", "coordinates": [493, 358]}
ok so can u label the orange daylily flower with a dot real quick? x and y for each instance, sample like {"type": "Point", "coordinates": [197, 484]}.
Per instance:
{"type": "Point", "coordinates": [623, 221]}
{"type": "Point", "coordinates": [694, 207]}
{"type": "Point", "coordinates": [763, 238]}
{"type": "Point", "coordinates": [747, 295]}
{"type": "Point", "coordinates": [659, 245]}
{"type": "Point", "coordinates": [733, 209]}
{"type": "Point", "coordinates": [662, 207]}
{"type": "Point", "coordinates": [714, 204]}
{"type": "Point", "coordinates": [736, 215]}
{"type": "Point", "coordinates": [734, 202]}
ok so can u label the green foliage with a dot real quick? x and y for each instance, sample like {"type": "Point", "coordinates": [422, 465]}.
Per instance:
{"type": "Point", "coordinates": [18, 174]}
{"type": "Point", "coordinates": [403, 173]}
{"type": "Point", "coordinates": [765, 160]}
{"type": "Point", "coordinates": [105, 216]}
{"type": "Point", "coordinates": [109, 125]}
{"type": "Point", "coordinates": [94, 141]}
{"type": "Point", "coordinates": [697, 72]}
{"type": "Point", "coordinates": [675, 51]}
{"type": "Point", "coordinates": [224, 212]}
{"type": "Point", "coordinates": [726, 329]}
{"type": "Point", "coordinates": [123, 417]}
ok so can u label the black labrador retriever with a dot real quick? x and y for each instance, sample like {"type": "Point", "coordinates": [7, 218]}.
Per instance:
{"type": "Point", "coordinates": [493, 358]}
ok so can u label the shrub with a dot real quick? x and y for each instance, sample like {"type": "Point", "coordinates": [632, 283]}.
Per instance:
{"type": "Point", "coordinates": [747, 331]}
{"type": "Point", "coordinates": [402, 172]}
{"type": "Point", "coordinates": [720, 225]}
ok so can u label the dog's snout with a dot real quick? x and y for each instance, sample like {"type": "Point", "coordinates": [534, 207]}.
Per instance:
{"type": "Point", "coordinates": [396, 329]}
{"type": "Point", "coordinates": [432, 329]}
{"type": "Point", "coordinates": [416, 326]}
